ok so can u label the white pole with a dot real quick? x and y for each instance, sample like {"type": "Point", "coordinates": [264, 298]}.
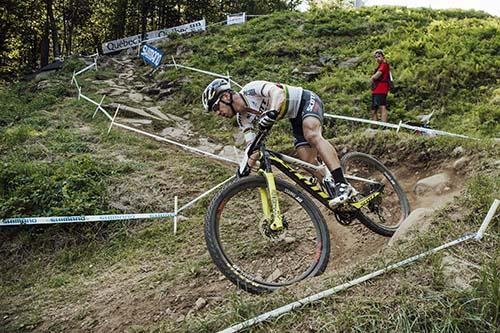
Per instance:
{"type": "Point", "coordinates": [487, 219]}
{"type": "Point", "coordinates": [98, 106]}
{"type": "Point", "coordinates": [175, 217]}
{"type": "Point", "coordinates": [113, 120]}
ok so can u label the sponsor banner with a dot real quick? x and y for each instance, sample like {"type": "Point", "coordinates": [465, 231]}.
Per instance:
{"type": "Point", "coordinates": [136, 40]}
{"type": "Point", "coordinates": [121, 44]}
{"type": "Point", "coordinates": [88, 218]}
{"type": "Point", "coordinates": [236, 18]}
{"type": "Point", "coordinates": [181, 29]}
{"type": "Point", "coordinates": [151, 55]}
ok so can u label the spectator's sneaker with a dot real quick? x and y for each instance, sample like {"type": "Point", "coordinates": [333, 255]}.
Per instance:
{"type": "Point", "coordinates": [340, 192]}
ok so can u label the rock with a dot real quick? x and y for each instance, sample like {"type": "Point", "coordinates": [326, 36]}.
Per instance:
{"type": "Point", "coordinates": [435, 184]}
{"type": "Point", "coordinates": [239, 138]}
{"type": "Point", "coordinates": [209, 147]}
{"type": "Point", "coordinates": [112, 91]}
{"type": "Point", "coordinates": [165, 92]}
{"type": "Point", "coordinates": [458, 151]}
{"type": "Point", "coordinates": [371, 132]}
{"type": "Point", "coordinates": [150, 90]}
{"type": "Point", "coordinates": [460, 163]}
{"type": "Point", "coordinates": [323, 60]}
{"type": "Point", "coordinates": [231, 152]}
{"type": "Point", "coordinates": [42, 76]}
{"type": "Point", "coordinates": [309, 72]}
{"type": "Point", "coordinates": [156, 111]}
{"type": "Point", "coordinates": [275, 275]}
{"type": "Point", "coordinates": [124, 109]}
{"type": "Point", "coordinates": [134, 121]}
{"type": "Point", "coordinates": [174, 133]}
{"type": "Point", "coordinates": [135, 97]}
{"type": "Point", "coordinates": [45, 84]}
{"type": "Point", "coordinates": [165, 84]}
{"type": "Point", "coordinates": [350, 63]}
{"type": "Point", "coordinates": [418, 221]}
{"type": "Point", "coordinates": [457, 273]}
{"type": "Point", "coordinates": [183, 50]}
{"type": "Point", "coordinates": [200, 303]}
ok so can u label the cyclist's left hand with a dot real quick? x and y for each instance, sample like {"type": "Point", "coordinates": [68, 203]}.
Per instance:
{"type": "Point", "coordinates": [268, 119]}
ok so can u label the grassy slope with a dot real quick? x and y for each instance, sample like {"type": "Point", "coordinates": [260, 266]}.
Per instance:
{"type": "Point", "coordinates": [56, 160]}
{"type": "Point", "coordinates": [442, 61]}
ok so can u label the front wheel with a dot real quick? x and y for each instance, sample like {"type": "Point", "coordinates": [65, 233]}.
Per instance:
{"type": "Point", "coordinates": [389, 206]}
{"type": "Point", "coordinates": [250, 254]}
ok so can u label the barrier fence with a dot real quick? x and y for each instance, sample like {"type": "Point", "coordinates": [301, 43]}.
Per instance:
{"type": "Point", "coordinates": [316, 297]}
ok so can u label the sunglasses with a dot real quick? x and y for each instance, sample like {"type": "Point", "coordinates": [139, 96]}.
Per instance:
{"type": "Point", "coordinates": [215, 106]}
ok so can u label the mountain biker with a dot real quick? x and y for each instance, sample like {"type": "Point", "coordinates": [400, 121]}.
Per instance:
{"type": "Point", "coordinates": [264, 103]}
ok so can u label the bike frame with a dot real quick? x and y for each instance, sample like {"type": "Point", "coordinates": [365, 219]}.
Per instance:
{"type": "Point", "coordinates": [269, 195]}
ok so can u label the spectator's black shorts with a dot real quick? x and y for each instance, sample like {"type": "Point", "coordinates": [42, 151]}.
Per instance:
{"type": "Point", "coordinates": [310, 106]}
{"type": "Point", "coordinates": [379, 100]}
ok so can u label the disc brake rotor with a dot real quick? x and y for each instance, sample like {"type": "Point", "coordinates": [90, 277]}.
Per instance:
{"type": "Point", "coordinates": [272, 235]}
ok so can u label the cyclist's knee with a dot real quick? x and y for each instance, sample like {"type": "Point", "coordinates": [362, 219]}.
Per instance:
{"type": "Point", "coordinates": [313, 136]}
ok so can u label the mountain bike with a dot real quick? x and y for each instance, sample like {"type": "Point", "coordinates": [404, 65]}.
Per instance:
{"type": "Point", "coordinates": [264, 233]}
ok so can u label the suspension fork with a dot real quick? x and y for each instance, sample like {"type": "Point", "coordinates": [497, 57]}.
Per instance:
{"type": "Point", "coordinates": [269, 196]}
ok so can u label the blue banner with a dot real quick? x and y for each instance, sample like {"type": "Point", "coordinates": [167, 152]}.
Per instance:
{"type": "Point", "coordinates": [151, 55]}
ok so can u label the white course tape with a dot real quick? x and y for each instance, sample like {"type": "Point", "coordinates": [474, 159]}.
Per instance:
{"type": "Point", "coordinates": [86, 68]}
{"type": "Point", "coordinates": [397, 127]}
{"type": "Point", "coordinates": [83, 218]}
{"type": "Point", "coordinates": [329, 292]}
{"type": "Point", "coordinates": [205, 194]}
{"type": "Point", "coordinates": [192, 149]}
{"type": "Point", "coordinates": [176, 65]}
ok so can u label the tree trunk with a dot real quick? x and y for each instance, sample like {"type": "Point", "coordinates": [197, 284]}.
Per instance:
{"type": "Point", "coordinates": [44, 48]}
{"type": "Point", "coordinates": [53, 28]}
{"type": "Point", "coordinates": [144, 13]}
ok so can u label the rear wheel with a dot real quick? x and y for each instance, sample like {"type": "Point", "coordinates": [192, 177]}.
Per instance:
{"type": "Point", "coordinates": [387, 210]}
{"type": "Point", "coordinates": [250, 254]}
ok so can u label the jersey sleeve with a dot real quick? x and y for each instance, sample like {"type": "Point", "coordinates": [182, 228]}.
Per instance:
{"type": "Point", "coordinates": [245, 123]}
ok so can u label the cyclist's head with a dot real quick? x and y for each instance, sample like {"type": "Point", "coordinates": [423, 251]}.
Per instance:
{"type": "Point", "coordinates": [213, 92]}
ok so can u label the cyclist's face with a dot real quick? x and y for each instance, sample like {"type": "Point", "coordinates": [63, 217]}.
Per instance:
{"type": "Point", "coordinates": [223, 109]}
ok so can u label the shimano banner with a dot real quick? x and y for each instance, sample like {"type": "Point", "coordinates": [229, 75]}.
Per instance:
{"type": "Point", "coordinates": [151, 55]}
{"type": "Point", "coordinates": [132, 41]}
{"type": "Point", "coordinates": [236, 18]}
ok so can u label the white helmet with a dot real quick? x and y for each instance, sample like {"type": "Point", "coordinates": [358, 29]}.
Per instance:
{"type": "Point", "coordinates": [213, 92]}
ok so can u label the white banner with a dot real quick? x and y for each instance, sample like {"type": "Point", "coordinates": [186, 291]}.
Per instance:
{"type": "Point", "coordinates": [181, 29]}
{"type": "Point", "coordinates": [236, 18]}
{"type": "Point", "coordinates": [88, 218]}
{"type": "Point", "coordinates": [132, 41]}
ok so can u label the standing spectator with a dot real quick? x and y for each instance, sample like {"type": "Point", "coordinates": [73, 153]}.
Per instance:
{"type": "Point", "coordinates": [380, 87]}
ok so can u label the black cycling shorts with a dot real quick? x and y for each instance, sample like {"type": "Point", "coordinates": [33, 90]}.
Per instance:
{"type": "Point", "coordinates": [310, 106]}
{"type": "Point", "coordinates": [379, 100]}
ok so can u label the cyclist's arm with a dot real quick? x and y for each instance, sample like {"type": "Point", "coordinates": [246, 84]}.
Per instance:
{"type": "Point", "coordinates": [276, 96]}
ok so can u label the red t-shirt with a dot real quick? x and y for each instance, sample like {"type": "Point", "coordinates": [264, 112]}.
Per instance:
{"type": "Point", "coordinates": [381, 84]}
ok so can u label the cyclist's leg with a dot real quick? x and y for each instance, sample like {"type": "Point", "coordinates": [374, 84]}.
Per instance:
{"type": "Point", "coordinates": [313, 135]}
{"type": "Point", "coordinates": [312, 119]}
{"type": "Point", "coordinates": [304, 150]}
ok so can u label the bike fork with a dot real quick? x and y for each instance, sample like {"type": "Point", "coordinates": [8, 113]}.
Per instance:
{"type": "Point", "coordinates": [270, 202]}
